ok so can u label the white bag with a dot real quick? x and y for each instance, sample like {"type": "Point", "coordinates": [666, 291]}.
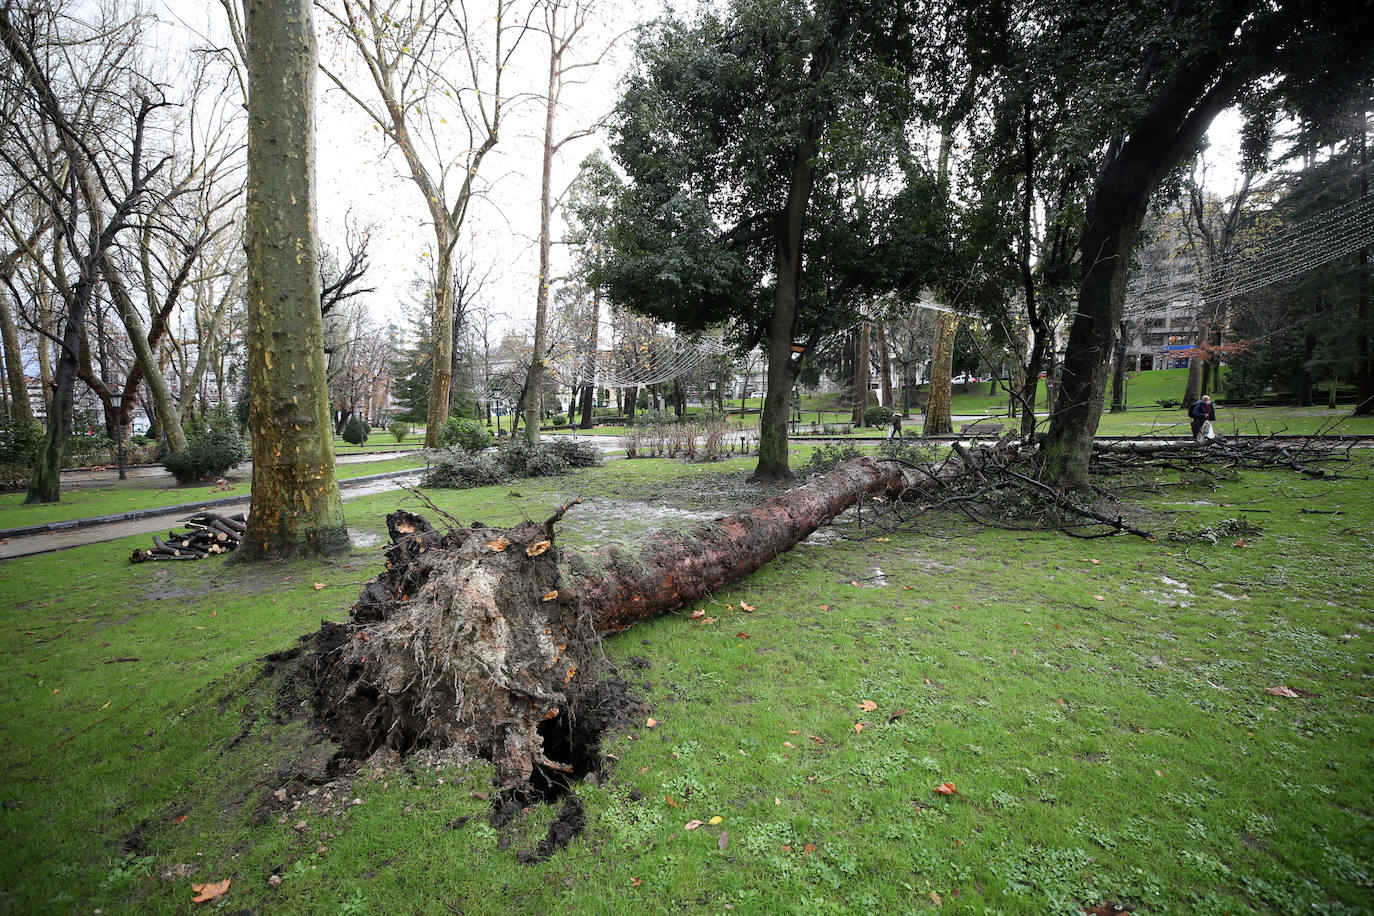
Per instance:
{"type": "Point", "coordinates": [1207, 432]}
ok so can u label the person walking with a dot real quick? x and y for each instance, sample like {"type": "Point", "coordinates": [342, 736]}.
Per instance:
{"type": "Point", "coordinates": [1203, 414]}
{"type": "Point", "coordinates": [896, 429]}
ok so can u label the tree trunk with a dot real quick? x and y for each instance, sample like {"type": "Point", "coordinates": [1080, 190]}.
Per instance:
{"type": "Point", "coordinates": [862, 373]}
{"type": "Point", "coordinates": [1119, 369]}
{"type": "Point", "coordinates": [21, 408]}
{"type": "Point", "coordinates": [295, 498]}
{"type": "Point", "coordinates": [938, 407]}
{"type": "Point", "coordinates": [884, 365]}
{"type": "Point", "coordinates": [1364, 356]}
{"type": "Point", "coordinates": [589, 392]}
{"type": "Point", "coordinates": [1196, 384]}
{"type": "Point", "coordinates": [441, 382]}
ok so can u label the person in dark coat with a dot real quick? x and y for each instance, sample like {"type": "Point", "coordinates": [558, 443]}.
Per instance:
{"type": "Point", "coordinates": [1202, 412]}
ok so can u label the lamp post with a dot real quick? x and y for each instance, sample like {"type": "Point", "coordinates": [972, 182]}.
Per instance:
{"type": "Point", "coordinates": [116, 401]}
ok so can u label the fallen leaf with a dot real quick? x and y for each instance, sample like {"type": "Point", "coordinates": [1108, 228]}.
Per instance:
{"type": "Point", "coordinates": [651, 723]}
{"type": "Point", "coordinates": [319, 585]}
{"type": "Point", "coordinates": [858, 727]}
{"type": "Point", "coordinates": [945, 788]}
{"type": "Point", "coordinates": [897, 715]}
{"type": "Point", "coordinates": [1099, 598]}
{"type": "Point", "coordinates": [824, 607]}
{"type": "Point", "coordinates": [1159, 773]}
{"type": "Point", "coordinates": [854, 582]}
{"type": "Point", "coordinates": [549, 596]}
{"type": "Point", "coordinates": [214, 613]}
{"type": "Point", "coordinates": [691, 825]}
{"type": "Point", "coordinates": [1290, 692]}
{"type": "Point", "coordinates": [723, 841]}
{"type": "Point", "coordinates": [787, 849]}
{"type": "Point", "coordinates": [909, 588]}
{"type": "Point", "coordinates": [746, 607]}
{"type": "Point", "coordinates": [715, 820]}
{"type": "Point", "coordinates": [1093, 562]}
{"type": "Point", "coordinates": [741, 635]}
{"type": "Point", "coordinates": [708, 621]}
{"type": "Point", "coordinates": [793, 731]}
{"type": "Point", "coordinates": [498, 545]}
{"type": "Point", "coordinates": [635, 882]}
{"type": "Point", "coordinates": [882, 540]}
{"type": "Point", "coordinates": [868, 705]}
{"type": "Point", "coordinates": [776, 800]}
{"type": "Point", "coordinates": [178, 819]}
{"type": "Point", "coordinates": [809, 848]}
{"type": "Point", "coordinates": [536, 549]}
{"type": "Point", "coordinates": [288, 578]}
{"type": "Point", "coordinates": [206, 892]}
{"type": "Point", "coordinates": [935, 898]}
{"type": "Point", "coordinates": [670, 800]}
{"type": "Point", "coordinates": [697, 614]}
{"type": "Point", "coordinates": [643, 770]}
{"type": "Point", "coordinates": [815, 739]}
{"type": "Point", "coordinates": [788, 744]}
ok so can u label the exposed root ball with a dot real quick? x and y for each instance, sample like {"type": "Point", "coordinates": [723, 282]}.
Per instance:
{"type": "Point", "coordinates": [466, 643]}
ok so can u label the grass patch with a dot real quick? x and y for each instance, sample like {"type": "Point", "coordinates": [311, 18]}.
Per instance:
{"type": "Point", "coordinates": [1107, 725]}
{"type": "Point", "coordinates": [131, 495]}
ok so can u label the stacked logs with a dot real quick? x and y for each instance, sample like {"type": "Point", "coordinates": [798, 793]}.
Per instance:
{"type": "Point", "coordinates": [207, 533]}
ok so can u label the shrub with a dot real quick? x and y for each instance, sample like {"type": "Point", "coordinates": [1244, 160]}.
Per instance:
{"type": "Point", "coordinates": [20, 442]}
{"type": "Point", "coordinates": [213, 447]}
{"type": "Point", "coordinates": [1169, 403]}
{"type": "Point", "coordinates": [355, 431]}
{"type": "Point", "coordinates": [878, 415]}
{"type": "Point", "coordinates": [398, 430]}
{"type": "Point", "coordinates": [575, 453]}
{"type": "Point", "coordinates": [520, 459]}
{"type": "Point", "coordinates": [560, 419]}
{"type": "Point", "coordinates": [464, 434]}
{"type": "Point", "coordinates": [458, 468]}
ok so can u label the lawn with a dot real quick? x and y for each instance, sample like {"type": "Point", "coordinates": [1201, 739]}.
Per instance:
{"type": "Point", "coordinates": [133, 494]}
{"type": "Point", "coordinates": [1102, 709]}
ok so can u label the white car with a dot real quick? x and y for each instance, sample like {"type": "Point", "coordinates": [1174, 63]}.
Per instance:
{"type": "Point", "coordinates": [964, 380]}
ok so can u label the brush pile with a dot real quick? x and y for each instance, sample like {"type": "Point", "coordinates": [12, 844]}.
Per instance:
{"type": "Point", "coordinates": [206, 534]}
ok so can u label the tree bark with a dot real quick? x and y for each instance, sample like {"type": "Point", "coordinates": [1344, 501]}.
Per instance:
{"type": "Point", "coordinates": [938, 414]}
{"type": "Point", "coordinates": [20, 406]}
{"type": "Point", "coordinates": [884, 365]}
{"type": "Point", "coordinates": [862, 373]}
{"type": "Point", "coordinates": [295, 498]}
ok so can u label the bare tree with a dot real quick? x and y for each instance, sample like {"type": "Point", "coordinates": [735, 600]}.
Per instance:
{"type": "Point", "coordinates": [429, 60]}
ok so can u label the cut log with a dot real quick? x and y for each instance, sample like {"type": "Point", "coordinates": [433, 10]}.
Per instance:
{"type": "Point", "coordinates": [479, 640]}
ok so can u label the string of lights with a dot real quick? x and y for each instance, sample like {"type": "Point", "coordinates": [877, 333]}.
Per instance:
{"type": "Point", "coordinates": [645, 363]}
{"type": "Point", "coordinates": [1278, 255]}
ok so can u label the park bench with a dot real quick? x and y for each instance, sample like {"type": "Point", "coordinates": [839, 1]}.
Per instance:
{"type": "Point", "coordinates": [983, 429]}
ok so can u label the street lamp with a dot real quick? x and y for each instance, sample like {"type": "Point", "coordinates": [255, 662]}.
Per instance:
{"type": "Point", "coordinates": [116, 401]}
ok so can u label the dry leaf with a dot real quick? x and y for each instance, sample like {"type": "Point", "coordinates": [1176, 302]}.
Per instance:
{"type": "Point", "coordinates": [549, 596]}
{"type": "Point", "coordinates": [854, 582]}
{"type": "Point", "coordinates": [793, 731]}
{"type": "Point", "coordinates": [815, 739]}
{"type": "Point", "coordinates": [670, 800]}
{"type": "Point", "coordinates": [206, 892]}
{"type": "Point", "coordinates": [635, 882]}
{"type": "Point", "coordinates": [498, 545]}
{"type": "Point", "coordinates": [746, 607]}
{"type": "Point", "coordinates": [723, 841]}
{"type": "Point", "coordinates": [536, 549]}
{"type": "Point", "coordinates": [319, 585]}
{"type": "Point", "coordinates": [868, 705]}
{"type": "Point", "coordinates": [788, 744]}
{"type": "Point", "coordinates": [945, 788]}
{"type": "Point", "coordinates": [178, 819]}
{"type": "Point", "coordinates": [858, 727]}
{"type": "Point", "coordinates": [809, 848]}
{"type": "Point", "coordinates": [909, 588]}
{"type": "Point", "coordinates": [650, 723]}
{"type": "Point", "coordinates": [824, 607]}
{"type": "Point", "coordinates": [741, 635]}
{"type": "Point", "coordinates": [897, 715]}
{"type": "Point", "coordinates": [697, 614]}
{"type": "Point", "coordinates": [715, 820]}
{"type": "Point", "coordinates": [776, 800]}
{"type": "Point", "coordinates": [935, 898]}
{"type": "Point", "coordinates": [1099, 597]}
{"type": "Point", "coordinates": [691, 825]}
{"type": "Point", "coordinates": [1290, 692]}
{"type": "Point", "coordinates": [882, 540]}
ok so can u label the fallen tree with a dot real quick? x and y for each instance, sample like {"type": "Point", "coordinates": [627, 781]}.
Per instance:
{"type": "Point", "coordinates": [482, 642]}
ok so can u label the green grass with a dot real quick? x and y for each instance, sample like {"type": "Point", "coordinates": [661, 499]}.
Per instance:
{"type": "Point", "coordinates": [129, 495]}
{"type": "Point", "coordinates": [1106, 724]}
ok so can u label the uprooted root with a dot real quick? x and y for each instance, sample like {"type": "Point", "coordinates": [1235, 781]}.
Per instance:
{"type": "Point", "coordinates": [469, 644]}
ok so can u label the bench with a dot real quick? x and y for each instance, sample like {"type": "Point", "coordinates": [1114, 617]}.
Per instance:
{"type": "Point", "coordinates": [984, 429]}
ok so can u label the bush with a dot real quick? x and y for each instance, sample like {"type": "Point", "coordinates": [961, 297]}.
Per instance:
{"type": "Point", "coordinates": [465, 434]}
{"type": "Point", "coordinates": [213, 447]}
{"type": "Point", "coordinates": [560, 419]}
{"type": "Point", "coordinates": [909, 450]}
{"type": "Point", "coordinates": [20, 442]}
{"type": "Point", "coordinates": [1169, 403]}
{"type": "Point", "coordinates": [520, 459]}
{"type": "Point", "coordinates": [575, 453]}
{"type": "Point", "coordinates": [878, 415]}
{"type": "Point", "coordinates": [355, 431]}
{"type": "Point", "coordinates": [398, 430]}
{"type": "Point", "coordinates": [458, 468]}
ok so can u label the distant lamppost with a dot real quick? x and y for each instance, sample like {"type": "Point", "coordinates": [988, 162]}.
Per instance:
{"type": "Point", "coordinates": [496, 400]}
{"type": "Point", "coordinates": [116, 401]}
